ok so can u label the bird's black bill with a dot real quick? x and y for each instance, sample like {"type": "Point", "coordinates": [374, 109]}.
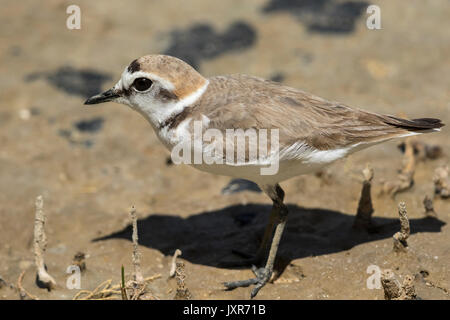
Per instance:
{"type": "Point", "coordinates": [106, 96]}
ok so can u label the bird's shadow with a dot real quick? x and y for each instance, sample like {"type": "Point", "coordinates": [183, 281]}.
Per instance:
{"type": "Point", "coordinates": [208, 238]}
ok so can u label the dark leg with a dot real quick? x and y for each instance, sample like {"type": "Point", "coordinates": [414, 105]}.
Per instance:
{"type": "Point", "coordinates": [268, 233]}
{"type": "Point", "coordinates": [280, 214]}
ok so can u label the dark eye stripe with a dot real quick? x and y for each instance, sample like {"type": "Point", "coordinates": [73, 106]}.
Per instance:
{"type": "Point", "coordinates": [142, 84]}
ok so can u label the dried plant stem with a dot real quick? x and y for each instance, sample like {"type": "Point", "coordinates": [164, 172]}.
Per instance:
{"type": "Point", "coordinates": [173, 265]}
{"type": "Point", "coordinates": [134, 289]}
{"type": "Point", "coordinates": [106, 290]}
{"type": "Point", "coordinates": [123, 288]}
{"type": "Point", "coordinates": [393, 290]}
{"type": "Point", "coordinates": [136, 254]}
{"type": "Point", "coordinates": [400, 238]}
{"type": "Point", "coordinates": [391, 286]}
{"type": "Point", "coordinates": [365, 208]}
{"type": "Point", "coordinates": [183, 292]}
{"type": "Point", "coordinates": [22, 292]}
{"type": "Point", "coordinates": [429, 208]}
{"type": "Point", "coordinates": [40, 243]}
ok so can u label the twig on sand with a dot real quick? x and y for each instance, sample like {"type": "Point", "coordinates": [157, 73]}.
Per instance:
{"type": "Point", "coordinates": [429, 208]}
{"type": "Point", "coordinates": [103, 291]}
{"type": "Point", "coordinates": [135, 289]}
{"type": "Point", "coordinates": [400, 238]}
{"type": "Point", "coordinates": [136, 254]}
{"type": "Point", "coordinates": [106, 291]}
{"type": "Point", "coordinates": [406, 176]}
{"type": "Point", "coordinates": [393, 290]}
{"type": "Point", "coordinates": [173, 264]}
{"type": "Point", "coordinates": [365, 208]}
{"type": "Point", "coordinates": [24, 294]}
{"type": "Point", "coordinates": [139, 290]}
{"type": "Point", "coordinates": [183, 292]}
{"type": "Point", "coordinates": [43, 280]}
{"type": "Point", "coordinates": [441, 182]}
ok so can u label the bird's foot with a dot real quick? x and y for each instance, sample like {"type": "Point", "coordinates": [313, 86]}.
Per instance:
{"type": "Point", "coordinates": [262, 277]}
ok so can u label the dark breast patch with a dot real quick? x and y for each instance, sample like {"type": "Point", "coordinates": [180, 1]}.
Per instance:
{"type": "Point", "coordinates": [176, 119]}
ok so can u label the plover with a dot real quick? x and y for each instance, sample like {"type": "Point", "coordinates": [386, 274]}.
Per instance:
{"type": "Point", "coordinates": [312, 132]}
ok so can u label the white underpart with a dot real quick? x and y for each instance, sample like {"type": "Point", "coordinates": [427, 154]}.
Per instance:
{"type": "Point", "coordinates": [305, 153]}
{"type": "Point", "coordinates": [294, 160]}
{"type": "Point", "coordinates": [310, 155]}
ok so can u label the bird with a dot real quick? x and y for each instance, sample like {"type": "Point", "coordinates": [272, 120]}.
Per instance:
{"type": "Point", "coordinates": [311, 132]}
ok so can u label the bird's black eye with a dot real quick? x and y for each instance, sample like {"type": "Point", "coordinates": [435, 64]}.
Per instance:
{"type": "Point", "coordinates": [142, 84]}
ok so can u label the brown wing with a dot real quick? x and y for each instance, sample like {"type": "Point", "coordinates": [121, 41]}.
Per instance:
{"type": "Point", "coordinates": [240, 101]}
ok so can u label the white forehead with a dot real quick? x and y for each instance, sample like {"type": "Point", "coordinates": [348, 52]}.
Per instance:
{"type": "Point", "coordinates": [127, 79]}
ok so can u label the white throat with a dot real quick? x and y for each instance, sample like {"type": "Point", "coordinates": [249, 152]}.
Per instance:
{"type": "Point", "coordinates": [158, 112]}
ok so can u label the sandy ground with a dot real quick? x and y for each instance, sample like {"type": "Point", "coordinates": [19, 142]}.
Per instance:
{"type": "Point", "coordinates": [92, 164]}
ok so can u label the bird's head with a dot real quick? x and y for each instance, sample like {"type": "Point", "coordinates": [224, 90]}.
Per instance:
{"type": "Point", "coordinates": [156, 86]}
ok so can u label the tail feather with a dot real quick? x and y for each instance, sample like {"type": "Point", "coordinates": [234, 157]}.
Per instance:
{"type": "Point", "coordinates": [415, 125]}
